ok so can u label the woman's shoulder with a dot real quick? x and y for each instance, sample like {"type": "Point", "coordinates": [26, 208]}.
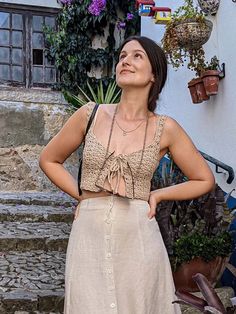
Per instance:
{"type": "Point", "coordinates": [169, 123]}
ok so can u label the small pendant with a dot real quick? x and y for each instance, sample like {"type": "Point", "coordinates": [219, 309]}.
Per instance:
{"type": "Point", "coordinates": [124, 133]}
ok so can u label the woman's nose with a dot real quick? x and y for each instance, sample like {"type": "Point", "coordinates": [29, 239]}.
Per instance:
{"type": "Point", "coordinates": [126, 60]}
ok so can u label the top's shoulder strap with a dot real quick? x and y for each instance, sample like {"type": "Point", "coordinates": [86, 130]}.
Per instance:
{"type": "Point", "coordinates": [160, 127]}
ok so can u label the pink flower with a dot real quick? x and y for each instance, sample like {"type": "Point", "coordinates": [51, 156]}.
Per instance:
{"type": "Point", "coordinates": [97, 6]}
{"type": "Point", "coordinates": [129, 16]}
{"type": "Point", "coordinates": [121, 25]}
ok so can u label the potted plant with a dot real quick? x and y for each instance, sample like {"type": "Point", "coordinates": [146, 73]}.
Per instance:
{"type": "Point", "coordinates": [195, 232]}
{"type": "Point", "coordinates": [197, 90]}
{"type": "Point", "coordinates": [210, 76]}
{"type": "Point", "coordinates": [185, 34]}
{"type": "Point", "coordinates": [207, 81]}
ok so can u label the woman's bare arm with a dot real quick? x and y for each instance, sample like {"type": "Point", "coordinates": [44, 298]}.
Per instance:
{"type": "Point", "coordinates": [191, 163]}
{"type": "Point", "coordinates": [60, 148]}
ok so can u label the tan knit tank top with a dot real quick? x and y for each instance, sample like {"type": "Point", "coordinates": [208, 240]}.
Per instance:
{"type": "Point", "coordinates": [98, 168]}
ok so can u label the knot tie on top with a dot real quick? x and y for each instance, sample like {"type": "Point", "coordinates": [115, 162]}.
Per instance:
{"type": "Point", "coordinates": [116, 171]}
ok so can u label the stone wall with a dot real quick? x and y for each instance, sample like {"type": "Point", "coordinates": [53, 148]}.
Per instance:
{"type": "Point", "coordinates": [28, 120]}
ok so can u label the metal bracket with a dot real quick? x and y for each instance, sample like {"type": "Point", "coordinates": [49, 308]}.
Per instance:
{"type": "Point", "coordinates": [222, 68]}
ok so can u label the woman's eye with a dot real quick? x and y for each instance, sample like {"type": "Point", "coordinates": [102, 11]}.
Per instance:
{"type": "Point", "coordinates": [121, 57]}
{"type": "Point", "coordinates": [137, 55]}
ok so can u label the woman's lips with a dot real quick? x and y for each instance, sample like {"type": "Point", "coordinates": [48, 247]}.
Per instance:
{"type": "Point", "coordinates": [126, 71]}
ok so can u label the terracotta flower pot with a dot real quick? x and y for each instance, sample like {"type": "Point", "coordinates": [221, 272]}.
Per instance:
{"type": "Point", "coordinates": [193, 92]}
{"type": "Point", "coordinates": [201, 92]}
{"type": "Point", "coordinates": [211, 81]}
{"type": "Point", "coordinates": [212, 270]}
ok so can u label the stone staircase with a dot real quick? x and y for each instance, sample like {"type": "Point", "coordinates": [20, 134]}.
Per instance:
{"type": "Point", "coordinates": [34, 231]}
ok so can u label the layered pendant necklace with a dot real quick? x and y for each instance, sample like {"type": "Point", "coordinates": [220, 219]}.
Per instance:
{"type": "Point", "coordinates": [125, 132]}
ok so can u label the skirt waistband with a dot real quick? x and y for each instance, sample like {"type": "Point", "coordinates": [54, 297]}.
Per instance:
{"type": "Point", "coordinates": [110, 200]}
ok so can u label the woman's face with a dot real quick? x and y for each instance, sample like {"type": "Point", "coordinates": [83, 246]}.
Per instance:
{"type": "Point", "coordinates": [134, 68]}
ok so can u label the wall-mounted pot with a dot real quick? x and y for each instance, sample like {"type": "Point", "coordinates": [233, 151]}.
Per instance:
{"type": "Point", "coordinates": [209, 6]}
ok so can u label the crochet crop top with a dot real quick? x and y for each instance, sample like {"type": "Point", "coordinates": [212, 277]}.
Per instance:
{"type": "Point", "coordinates": [97, 168]}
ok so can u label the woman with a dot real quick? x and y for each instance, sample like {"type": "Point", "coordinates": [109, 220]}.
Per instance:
{"type": "Point", "coordinates": [116, 260]}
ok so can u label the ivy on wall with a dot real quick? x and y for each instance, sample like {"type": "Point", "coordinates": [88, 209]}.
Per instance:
{"type": "Point", "coordinates": [71, 46]}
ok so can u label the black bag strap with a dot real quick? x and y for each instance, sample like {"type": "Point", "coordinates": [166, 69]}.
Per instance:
{"type": "Point", "coordinates": [81, 158]}
{"type": "Point", "coordinates": [91, 118]}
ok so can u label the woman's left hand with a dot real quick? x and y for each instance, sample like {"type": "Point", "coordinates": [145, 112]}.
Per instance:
{"type": "Point", "coordinates": [154, 200]}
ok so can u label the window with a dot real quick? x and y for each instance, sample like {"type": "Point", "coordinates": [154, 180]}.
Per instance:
{"type": "Point", "coordinates": [22, 48]}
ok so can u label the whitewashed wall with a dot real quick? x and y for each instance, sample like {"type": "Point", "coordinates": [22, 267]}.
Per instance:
{"type": "Point", "coordinates": [39, 3]}
{"type": "Point", "coordinates": [211, 124]}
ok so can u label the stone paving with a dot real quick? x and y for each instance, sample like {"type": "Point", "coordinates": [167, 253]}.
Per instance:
{"type": "Point", "coordinates": [34, 230]}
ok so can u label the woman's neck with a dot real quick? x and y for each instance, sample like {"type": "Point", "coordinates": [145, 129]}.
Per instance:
{"type": "Point", "coordinates": [133, 107]}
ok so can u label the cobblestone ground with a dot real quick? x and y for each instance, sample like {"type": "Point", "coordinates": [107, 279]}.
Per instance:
{"type": "Point", "coordinates": [34, 230]}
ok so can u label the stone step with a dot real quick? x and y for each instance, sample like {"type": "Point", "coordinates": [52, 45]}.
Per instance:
{"type": "Point", "coordinates": [35, 213]}
{"type": "Point", "coordinates": [23, 236]}
{"type": "Point", "coordinates": [32, 282]}
{"type": "Point", "coordinates": [37, 198]}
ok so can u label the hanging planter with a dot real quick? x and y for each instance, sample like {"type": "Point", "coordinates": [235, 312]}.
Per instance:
{"type": "Point", "coordinates": [193, 34]}
{"type": "Point", "coordinates": [185, 34]}
{"type": "Point", "coordinates": [209, 6]}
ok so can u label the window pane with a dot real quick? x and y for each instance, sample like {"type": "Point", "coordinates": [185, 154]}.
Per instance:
{"type": "Point", "coordinates": [38, 41]}
{"type": "Point", "coordinates": [4, 72]}
{"type": "Point", "coordinates": [38, 74]}
{"type": "Point", "coordinates": [17, 21]}
{"type": "Point", "coordinates": [17, 38]}
{"type": "Point", "coordinates": [4, 55]}
{"type": "Point", "coordinates": [4, 20]}
{"type": "Point", "coordinates": [37, 23]}
{"type": "Point", "coordinates": [17, 56]}
{"type": "Point", "coordinates": [47, 62]}
{"type": "Point", "coordinates": [4, 38]}
{"type": "Point", "coordinates": [38, 56]}
{"type": "Point", "coordinates": [50, 21]}
{"type": "Point", "coordinates": [50, 75]}
{"type": "Point", "coordinates": [17, 73]}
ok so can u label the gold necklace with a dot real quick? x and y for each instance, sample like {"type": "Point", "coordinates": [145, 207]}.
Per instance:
{"type": "Point", "coordinates": [127, 132]}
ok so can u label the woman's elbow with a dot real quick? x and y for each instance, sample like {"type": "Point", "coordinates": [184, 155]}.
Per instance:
{"type": "Point", "coordinates": [210, 182]}
{"type": "Point", "coordinates": [43, 159]}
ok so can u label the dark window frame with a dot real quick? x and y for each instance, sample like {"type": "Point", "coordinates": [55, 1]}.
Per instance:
{"type": "Point", "coordinates": [27, 13]}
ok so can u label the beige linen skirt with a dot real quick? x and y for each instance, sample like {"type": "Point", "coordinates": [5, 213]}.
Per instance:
{"type": "Point", "coordinates": [116, 261]}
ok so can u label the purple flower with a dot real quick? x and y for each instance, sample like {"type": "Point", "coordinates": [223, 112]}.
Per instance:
{"type": "Point", "coordinates": [97, 6]}
{"type": "Point", "coordinates": [121, 25]}
{"type": "Point", "coordinates": [66, 2]}
{"type": "Point", "coordinates": [129, 16]}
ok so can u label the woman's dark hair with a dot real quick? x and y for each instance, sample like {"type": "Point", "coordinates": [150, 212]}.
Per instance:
{"type": "Point", "coordinates": [158, 62]}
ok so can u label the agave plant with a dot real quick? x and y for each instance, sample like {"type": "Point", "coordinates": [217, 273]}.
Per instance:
{"type": "Point", "coordinates": [109, 95]}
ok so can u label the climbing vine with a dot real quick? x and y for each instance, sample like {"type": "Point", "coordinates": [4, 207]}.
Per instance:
{"type": "Point", "coordinates": [79, 22]}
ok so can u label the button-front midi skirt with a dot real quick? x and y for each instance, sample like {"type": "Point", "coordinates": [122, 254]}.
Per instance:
{"type": "Point", "coordinates": [116, 261]}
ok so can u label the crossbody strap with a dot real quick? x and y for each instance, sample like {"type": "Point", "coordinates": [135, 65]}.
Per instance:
{"type": "Point", "coordinates": [91, 118]}
{"type": "Point", "coordinates": [81, 158]}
